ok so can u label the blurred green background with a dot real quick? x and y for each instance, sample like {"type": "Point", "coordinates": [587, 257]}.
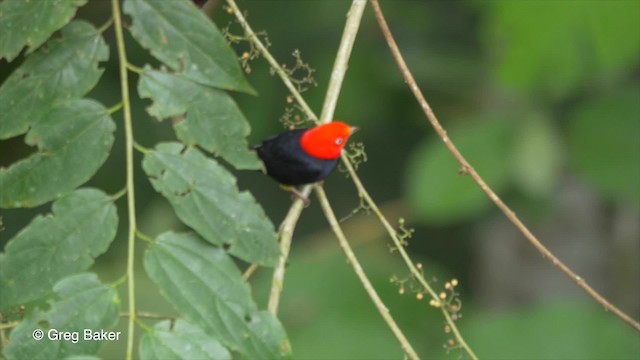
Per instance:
{"type": "Point", "coordinates": [542, 97]}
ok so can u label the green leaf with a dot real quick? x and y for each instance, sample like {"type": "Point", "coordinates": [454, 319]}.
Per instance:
{"type": "Point", "coordinates": [73, 142]}
{"type": "Point", "coordinates": [205, 286]}
{"type": "Point", "coordinates": [182, 37]}
{"type": "Point", "coordinates": [66, 68]}
{"type": "Point", "coordinates": [83, 307]}
{"type": "Point", "coordinates": [205, 197]}
{"type": "Point", "coordinates": [30, 23]}
{"type": "Point", "coordinates": [537, 156]}
{"type": "Point", "coordinates": [181, 340]}
{"type": "Point", "coordinates": [213, 120]}
{"type": "Point", "coordinates": [438, 193]}
{"type": "Point", "coordinates": [22, 345]}
{"type": "Point", "coordinates": [82, 226]}
{"type": "Point", "coordinates": [604, 145]}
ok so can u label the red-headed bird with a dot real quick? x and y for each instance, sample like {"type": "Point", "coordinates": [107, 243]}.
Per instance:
{"type": "Point", "coordinates": [304, 156]}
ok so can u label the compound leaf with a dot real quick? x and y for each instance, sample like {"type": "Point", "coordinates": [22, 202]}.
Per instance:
{"type": "Point", "coordinates": [213, 120]}
{"type": "Point", "coordinates": [205, 286]}
{"type": "Point", "coordinates": [73, 142]}
{"type": "Point", "coordinates": [65, 68]}
{"type": "Point", "coordinates": [84, 307]}
{"type": "Point", "coordinates": [182, 37]}
{"type": "Point", "coordinates": [181, 340]}
{"type": "Point", "coordinates": [205, 197]}
{"type": "Point", "coordinates": [30, 23]}
{"type": "Point", "coordinates": [81, 227]}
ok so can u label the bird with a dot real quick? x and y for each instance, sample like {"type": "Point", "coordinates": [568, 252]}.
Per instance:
{"type": "Point", "coordinates": [304, 156]}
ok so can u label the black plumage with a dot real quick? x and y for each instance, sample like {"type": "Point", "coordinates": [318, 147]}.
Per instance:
{"type": "Point", "coordinates": [288, 163]}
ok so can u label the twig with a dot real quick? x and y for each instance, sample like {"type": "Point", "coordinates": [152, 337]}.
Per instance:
{"type": "Point", "coordinates": [246, 275]}
{"type": "Point", "coordinates": [131, 202]}
{"type": "Point", "coordinates": [468, 169]}
{"type": "Point", "coordinates": [303, 105]}
{"type": "Point", "coordinates": [384, 312]}
{"type": "Point", "coordinates": [9, 325]}
{"type": "Point", "coordinates": [285, 234]}
{"type": "Point", "coordinates": [291, 219]}
{"type": "Point", "coordinates": [342, 59]}
{"type": "Point", "coordinates": [148, 315]}
{"type": "Point", "coordinates": [274, 64]}
{"type": "Point", "coordinates": [403, 253]}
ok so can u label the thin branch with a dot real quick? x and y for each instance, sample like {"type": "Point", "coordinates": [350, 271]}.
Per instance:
{"type": "Point", "coordinates": [349, 33]}
{"type": "Point", "coordinates": [468, 169]}
{"type": "Point", "coordinates": [335, 83]}
{"type": "Point", "coordinates": [131, 202]}
{"type": "Point", "coordinates": [290, 221]}
{"type": "Point", "coordinates": [9, 325]}
{"type": "Point", "coordinates": [417, 274]}
{"type": "Point", "coordinates": [249, 272]}
{"type": "Point", "coordinates": [270, 59]}
{"type": "Point", "coordinates": [294, 212]}
{"type": "Point", "coordinates": [148, 315]}
{"type": "Point", "coordinates": [285, 234]}
{"type": "Point", "coordinates": [353, 261]}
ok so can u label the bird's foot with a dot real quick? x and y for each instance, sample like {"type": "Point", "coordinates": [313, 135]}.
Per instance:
{"type": "Point", "coordinates": [295, 193]}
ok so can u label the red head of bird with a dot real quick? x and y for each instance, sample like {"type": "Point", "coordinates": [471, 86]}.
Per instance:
{"type": "Point", "coordinates": [326, 141]}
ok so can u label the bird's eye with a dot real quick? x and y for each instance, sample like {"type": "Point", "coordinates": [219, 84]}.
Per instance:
{"type": "Point", "coordinates": [339, 141]}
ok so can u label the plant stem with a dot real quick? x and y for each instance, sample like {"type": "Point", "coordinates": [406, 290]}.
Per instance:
{"type": "Point", "coordinates": [9, 325]}
{"type": "Point", "coordinates": [468, 169]}
{"type": "Point", "coordinates": [354, 17]}
{"type": "Point", "coordinates": [333, 91]}
{"type": "Point", "coordinates": [337, 76]}
{"type": "Point", "coordinates": [148, 315]}
{"type": "Point", "coordinates": [289, 223]}
{"type": "Point", "coordinates": [403, 253]}
{"type": "Point", "coordinates": [384, 312]}
{"type": "Point", "coordinates": [131, 204]}
{"type": "Point", "coordinates": [271, 60]}
{"type": "Point", "coordinates": [286, 235]}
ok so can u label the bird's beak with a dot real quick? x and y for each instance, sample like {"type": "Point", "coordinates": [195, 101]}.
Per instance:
{"type": "Point", "coordinates": [354, 129]}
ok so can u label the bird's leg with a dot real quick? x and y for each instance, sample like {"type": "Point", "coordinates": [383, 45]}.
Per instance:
{"type": "Point", "coordinates": [296, 194]}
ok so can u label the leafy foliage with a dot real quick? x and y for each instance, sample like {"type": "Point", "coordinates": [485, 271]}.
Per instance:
{"type": "Point", "coordinates": [220, 129]}
{"type": "Point", "coordinates": [74, 136]}
{"type": "Point", "coordinates": [181, 340]}
{"type": "Point", "coordinates": [204, 195]}
{"type": "Point", "coordinates": [184, 39]}
{"type": "Point", "coordinates": [73, 142]}
{"type": "Point", "coordinates": [65, 68]}
{"type": "Point", "coordinates": [206, 287]}
{"type": "Point", "coordinates": [31, 23]}
{"type": "Point", "coordinates": [82, 302]}
{"type": "Point", "coordinates": [559, 58]}
{"type": "Point", "coordinates": [82, 226]}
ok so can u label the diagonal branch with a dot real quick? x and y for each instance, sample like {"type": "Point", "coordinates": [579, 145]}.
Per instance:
{"type": "Point", "coordinates": [468, 169]}
{"type": "Point", "coordinates": [353, 261]}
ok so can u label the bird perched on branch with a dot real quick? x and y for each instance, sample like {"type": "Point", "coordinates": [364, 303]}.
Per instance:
{"type": "Point", "coordinates": [304, 156]}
